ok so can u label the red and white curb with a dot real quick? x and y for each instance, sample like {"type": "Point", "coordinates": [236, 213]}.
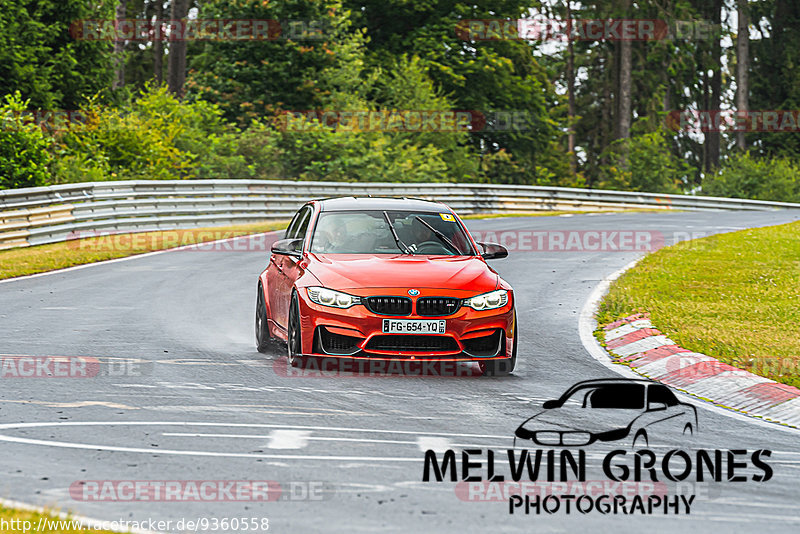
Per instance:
{"type": "Point", "coordinates": [635, 342]}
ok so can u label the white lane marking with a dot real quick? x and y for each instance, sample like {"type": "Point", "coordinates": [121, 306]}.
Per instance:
{"type": "Point", "coordinates": [436, 444]}
{"type": "Point", "coordinates": [587, 324]}
{"type": "Point", "coordinates": [79, 404]}
{"type": "Point", "coordinates": [137, 256]}
{"type": "Point", "coordinates": [309, 437]}
{"type": "Point", "coordinates": [288, 439]}
{"type": "Point", "coordinates": [7, 426]}
{"type": "Point", "coordinates": [88, 446]}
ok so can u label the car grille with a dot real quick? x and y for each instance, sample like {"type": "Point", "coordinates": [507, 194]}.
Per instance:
{"type": "Point", "coordinates": [563, 438]}
{"type": "Point", "coordinates": [411, 343]}
{"type": "Point", "coordinates": [483, 346]}
{"type": "Point", "coordinates": [432, 306]}
{"type": "Point", "coordinates": [337, 343]}
{"type": "Point", "coordinates": [389, 305]}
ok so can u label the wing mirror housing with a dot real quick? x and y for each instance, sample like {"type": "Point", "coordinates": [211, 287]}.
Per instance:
{"type": "Point", "coordinates": [549, 405]}
{"type": "Point", "coordinates": [288, 247]}
{"type": "Point", "coordinates": [493, 251]}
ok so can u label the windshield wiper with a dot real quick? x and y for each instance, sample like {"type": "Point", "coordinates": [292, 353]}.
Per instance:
{"type": "Point", "coordinates": [443, 238]}
{"type": "Point", "coordinates": [402, 246]}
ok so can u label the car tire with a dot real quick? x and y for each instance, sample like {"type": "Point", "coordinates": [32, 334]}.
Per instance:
{"type": "Point", "coordinates": [294, 334]}
{"type": "Point", "coordinates": [502, 367]}
{"type": "Point", "coordinates": [641, 435]}
{"type": "Point", "coordinates": [263, 338]}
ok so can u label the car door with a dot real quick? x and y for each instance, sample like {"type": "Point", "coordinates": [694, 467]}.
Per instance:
{"type": "Point", "coordinates": [283, 270]}
{"type": "Point", "coordinates": [670, 416]}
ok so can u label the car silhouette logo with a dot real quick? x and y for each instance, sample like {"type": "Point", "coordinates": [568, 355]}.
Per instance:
{"type": "Point", "coordinates": [628, 410]}
{"type": "Point", "coordinates": [413, 292]}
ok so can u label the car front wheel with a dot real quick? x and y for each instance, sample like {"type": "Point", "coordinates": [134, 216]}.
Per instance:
{"type": "Point", "coordinates": [262, 327]}
{"type": "Point", "coordinates": [502, 367]}
{"type": "Point", "coordinates": [294, 334]}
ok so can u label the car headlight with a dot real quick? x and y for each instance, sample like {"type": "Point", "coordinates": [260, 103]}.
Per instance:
{"type": "Point", "coordinates": [329, 297]}
{"type": "Point", "coordinates": [488, 301]}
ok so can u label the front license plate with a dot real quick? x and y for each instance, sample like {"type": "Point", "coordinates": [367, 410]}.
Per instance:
{"type": "Point", "coordinates": [410, 326]}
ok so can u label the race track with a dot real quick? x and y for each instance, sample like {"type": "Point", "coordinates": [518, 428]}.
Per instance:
{"type": "Point", "coordinates": [195, 401]}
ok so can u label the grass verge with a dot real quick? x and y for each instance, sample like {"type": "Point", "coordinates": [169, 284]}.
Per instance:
{"type": "Point", "coordinates": [733, 296]}
{"type": "Point", "coordinates": [559, 212]}
{"type": "Point", "coordinates": [41, 258]}
{"type": "Point", "coordinates": [18, 521]}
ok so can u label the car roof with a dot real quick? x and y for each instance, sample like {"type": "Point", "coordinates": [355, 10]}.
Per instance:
{"type": "Point", "coordinates": [612, 381]}
{"type": "Point", "coordinates": [380, 203]}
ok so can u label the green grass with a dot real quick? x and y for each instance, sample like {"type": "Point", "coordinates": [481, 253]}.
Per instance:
{"type": "Point", "coordinates": [14, 522]}
{"type": "Point", "coordinates": [31, 260]}
{"type": "Point", "coordinates": [43, 258]}
{"type": "Point", "coordinates": [732, 296]}
{"type": "Point", "coordinates": [557, 212]}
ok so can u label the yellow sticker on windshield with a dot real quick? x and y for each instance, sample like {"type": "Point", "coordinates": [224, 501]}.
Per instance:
{"type": "Point", "coordinates": [447, 217]}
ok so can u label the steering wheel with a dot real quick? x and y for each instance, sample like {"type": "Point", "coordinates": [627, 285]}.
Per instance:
{"type": "Point", "coordinates": [435, 246]}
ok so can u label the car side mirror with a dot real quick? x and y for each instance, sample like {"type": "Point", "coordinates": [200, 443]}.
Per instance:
{"type": "Point", "coordinates": [288, 247]}
{"type": "Point", "coordinates": [549, 405]}
{"type": "Point", "coordinates": [493, 251]}
{"type": "Point", "coordinates": [655, 406]}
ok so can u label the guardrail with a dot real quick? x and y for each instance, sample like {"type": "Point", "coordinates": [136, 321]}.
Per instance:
{"type": "Point", "coordinates": [40, 215]}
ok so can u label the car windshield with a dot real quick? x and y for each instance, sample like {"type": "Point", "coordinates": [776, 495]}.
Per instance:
{"type": "Point", "coordinates": [390, 232]}
{"type": "Point", "coordinates": [615, 396]}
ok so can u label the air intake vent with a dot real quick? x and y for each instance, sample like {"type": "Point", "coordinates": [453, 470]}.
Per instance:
{"type": "Point", "coordinates": [389, 305]}
{"type": "Point", "coordinates": [433, 306]}
{"type": "Point", "coordinates": [410, 343]}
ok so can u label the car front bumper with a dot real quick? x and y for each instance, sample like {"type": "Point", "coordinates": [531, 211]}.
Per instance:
{"type": "Point", "coordinates": [357, 332]}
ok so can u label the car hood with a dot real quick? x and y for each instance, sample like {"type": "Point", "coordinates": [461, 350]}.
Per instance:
{"type": "Point", "coordinates": [581, 419]}
{"type": "Point", "coordinates": [348, 271]}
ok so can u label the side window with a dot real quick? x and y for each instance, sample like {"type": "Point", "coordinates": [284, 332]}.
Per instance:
{"type": "Point", "coordinates": [662, 394]}
{"type": "Point", "coordinates": [297, 228]}
{"type": "Point", "coordinates": [303, 226]}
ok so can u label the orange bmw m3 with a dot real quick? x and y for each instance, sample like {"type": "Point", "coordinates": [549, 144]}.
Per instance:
{"type": "Point", "coordinates": [386, 278]}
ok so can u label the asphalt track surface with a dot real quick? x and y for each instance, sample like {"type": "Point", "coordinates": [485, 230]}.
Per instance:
{"type": "Point", "coordinates": [185, 319]}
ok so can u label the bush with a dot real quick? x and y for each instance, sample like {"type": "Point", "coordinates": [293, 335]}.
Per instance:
{"type": "Point", "coordinates": [644, 163]}
{"type": "Point", "coordinates": [156, 136]}
{"type": "Point", "coordinates": [24, 148]}
{"type": "Point", "coordinates": [744, 176]}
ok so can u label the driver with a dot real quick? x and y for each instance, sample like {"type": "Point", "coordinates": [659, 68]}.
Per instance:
{"type": "Point", "coordinates": [420, 233]}
{"type": "Point", "coordinates": [333, 234]}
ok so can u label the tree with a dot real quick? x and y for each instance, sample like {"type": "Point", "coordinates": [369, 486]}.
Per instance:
{"type": "Point", "coordinates": [742, 66]}
{"type": "Point", "coordinates": [177, 50]}
{"type": "Point", "coordinates": [43, 57]}
{"type": "Point", "coordinates": [119, 48]}
{"type": "Point", "coordinates": [623, 121]}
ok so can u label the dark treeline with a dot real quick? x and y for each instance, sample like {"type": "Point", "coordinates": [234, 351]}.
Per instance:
{"type": "Point", "coordinates": [545, 103]}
